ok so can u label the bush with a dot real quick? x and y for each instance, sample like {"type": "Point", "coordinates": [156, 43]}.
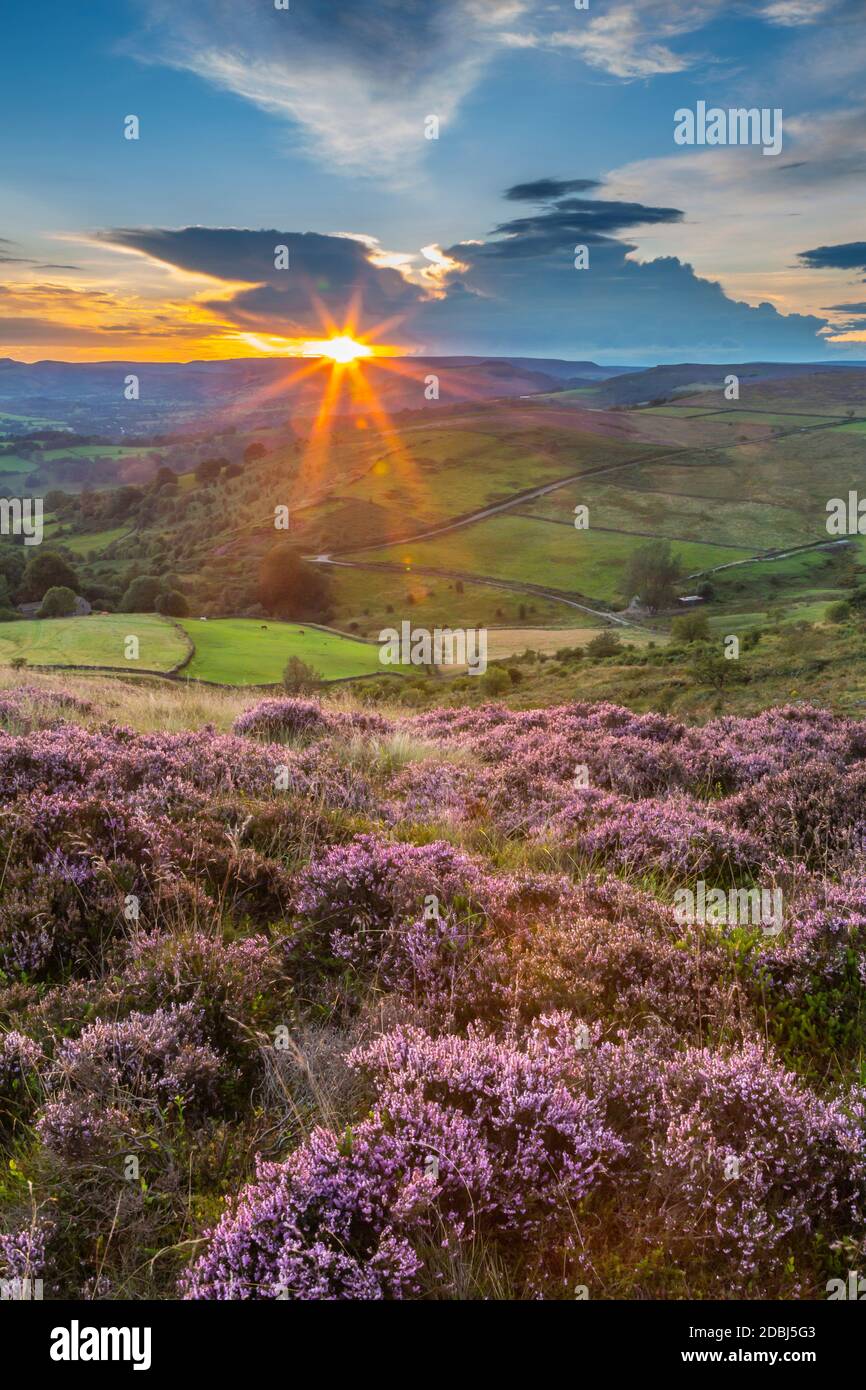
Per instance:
{"type": "Point", "coordinates": [141, 595]}
{"type": "Point", "coordinates": [172, 604]}
{"type": "Point", "coordinates": [45, 571]}
{"type": "Point", "coordinates": [605, 644]}
{"type": "Point", "coordinates": [495, 681]}
{"type": "Point", "coordinates": [274, 719]}
{"type": "Point", "coordinates": [691, 627]}
{"type": "Point", "coordinates": [59, 602]}
{"type": "Point", "coordinates": [838, 612]}
{"type": "Point", "coordinates": [299, 678]}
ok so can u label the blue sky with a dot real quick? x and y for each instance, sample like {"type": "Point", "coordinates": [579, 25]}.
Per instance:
{"type": "Point", "coordinates": [312, 121]}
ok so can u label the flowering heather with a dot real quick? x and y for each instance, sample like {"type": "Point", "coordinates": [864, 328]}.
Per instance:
{"type": "Point", "coordinates": [412, 996]}
{"type": "Point", "coordinates": [288, 718]}
{"type": "Point", "coordinates": [466, 1136]}
{"type": "Point", "coordinates": [23, 1252]}
{"type": "Point", "coordinates": [21, 1061]}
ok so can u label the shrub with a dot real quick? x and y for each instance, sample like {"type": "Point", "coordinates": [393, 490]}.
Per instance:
{"type": "Point", "coordinates": [59, 602]}
{"type": "Point", "coordinates": [299, 678]}
{"type": "Point", "coordinates": [172, 604]}
{"type": "Point", "coordinates": [141, 595]}
{"type": "Point", "coordinates": [495, 681]}
{"type": "Point", "coordinates": [278, 718]}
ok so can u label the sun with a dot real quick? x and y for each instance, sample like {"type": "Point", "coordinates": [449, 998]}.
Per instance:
{"type": "Point", "coordinates": [341, 349]}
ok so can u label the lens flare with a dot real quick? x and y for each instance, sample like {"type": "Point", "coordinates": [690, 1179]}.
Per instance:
{"type": "Point", "coordinates": [343, 349]}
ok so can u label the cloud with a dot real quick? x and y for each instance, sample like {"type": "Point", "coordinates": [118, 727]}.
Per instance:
{"type": "Point", "coordinates": [564, 221]}
{"type": "Point", "coordinates": [628, 40]}
{"type": "Point", "coordinates": [520, 291]}
{"type": "Point", "coordinates": [748, 218]}
{"type": "Point", "coordinates": [792, 14]}
{"type": "Point", "coordinates": [635, 38]}
{"type": "Point", "coordinates": [850, 255]}
{"type": "Point", "coordinates": [358, 80]}
{"type": "Point", "coordinates": [517, 291]}
{"type": "Point", "coordinates": [326, 276]}
{"type": "Point", "coordinates": [542, 190]}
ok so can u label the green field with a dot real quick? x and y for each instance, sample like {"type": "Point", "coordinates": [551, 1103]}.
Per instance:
{"type": "Point", "coordinates": [95, 641]}
{"type": "Point", "coordinates": [774, 418]}
{"type": "Point", "coordinates": [673, 514]}
{"type": "Point", "coordinates": [244, 651]}
{"type": "Point", "coordinates": [681, 412]}
{"type": "Point", "coordinates": [521, 548]}
{"type": "Point", "coordinates": [365, 601]}
{"type": "Point", "coordinates": [443, 474]}
{"type": "Point", "coordinates": [93, 540]}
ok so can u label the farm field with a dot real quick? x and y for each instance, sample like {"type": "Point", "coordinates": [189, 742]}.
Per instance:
{"type": "Point", "coordinates": [513, 641]}
{"type": "Point", "coordinates": [444, 474]}
{"type": "Point", "coordinates": [89, 540]}
{"type": "Point", "coordinates": [366, 600]}
{"type": "Point", "coordinates": [534, 552]}
{"type": "Point", "coordinates": [672, 514]}
{"type": "Point", "coordinates": [244, 651]}
{"type": "Point", "coordinates": [97, 640]}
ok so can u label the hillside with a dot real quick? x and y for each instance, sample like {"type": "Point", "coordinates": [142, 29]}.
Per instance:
{"type": "Point", "coordinates": [252, 981]}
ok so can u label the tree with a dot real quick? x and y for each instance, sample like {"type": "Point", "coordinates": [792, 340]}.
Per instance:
{"type": "Point", "coordinates": [58, 602]}
{"type": "Point", "coordinates": [164, 477]}
{"type": "Point", "coordinates": [495, 681]}
{"type": "Point", "coordinates": [299, 678]}
{"type": "Point", "coordinates": [141, 595]}
{"type": "Point", "coordinates": [653, 573]}
{"type": "Point", "coordinates": [45, 571]}
{"type": "Point", "coordinates": [172, 604]}
{"type": "Point", "coordinates": [691, 627]}
{"type": "Point", "coordinates": [208, 470]}
{"type": "Point", "coordinates": [605, 644]}
{"type": "Point", "coordinates": [710, 667]}
{"type": "Point", "coordinates": [289, 587]}
{"type": "Point", "coordinates": [253, 452]}
{"type": "Point", "coordinates": [13, 560]}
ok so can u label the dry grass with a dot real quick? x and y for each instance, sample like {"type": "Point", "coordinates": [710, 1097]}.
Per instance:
{"type": "Point", "coordinates": [152, 706]}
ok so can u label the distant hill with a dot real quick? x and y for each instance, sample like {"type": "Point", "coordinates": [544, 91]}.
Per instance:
{"type": "Point", "coordinates": [89, 396]}
{"type": "Point", "coordinates": [661, 383]}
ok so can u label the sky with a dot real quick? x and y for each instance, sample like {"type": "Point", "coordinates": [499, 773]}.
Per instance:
{"type": "Point", "coordinates": [284, 186]}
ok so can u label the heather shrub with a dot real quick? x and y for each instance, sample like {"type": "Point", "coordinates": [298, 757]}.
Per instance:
{"type": "Point", "coordinates": [283, 718]}
{"type": "Point", "coordinates": [466, 1136]}
{"type": "Point", "coordinates": [412, 996]}
{"type": "Point", "coordinates": [21, 1064]}
{"type": "Point", "coordinates": [116, 1075]}
{"type": "Point", "coordinates": [811, 981]}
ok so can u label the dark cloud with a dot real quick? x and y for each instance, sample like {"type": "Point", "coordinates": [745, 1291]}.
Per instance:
{"type": "Point", "coordinates": [517, 292]}
{"type": "Point", "coordinates": [543, 190]}
{"type": "Point", "coordinates": [850, 255]}
{"type": "Point", "coordinates": [846, 308]}
{"type": "Point", "coordinates": [581, 221]}
{"type": "Point", "coordinates": [32, 330]}
{"type": "Point", "coordinates": [326, 274]}
{"type": "Point", "coordinates": [520, 290]}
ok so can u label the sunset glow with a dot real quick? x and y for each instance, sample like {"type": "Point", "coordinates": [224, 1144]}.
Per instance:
{"type": "Point", "coordinates": [342, 349]}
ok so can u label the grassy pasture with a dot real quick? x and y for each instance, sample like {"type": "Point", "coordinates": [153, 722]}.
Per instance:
{"type": "Point", "coordinates": [373, 599]}
{"type": "Point", "coordinates": [672, 514]}
{"type": "Point", "coordinates": [444, 474]}
{"type": "Point", "coordinates": [94, 641]}
{"type": "Point", "coordinates": [535, 552]}
{"type": "Point", "coordinates": [245, 651]}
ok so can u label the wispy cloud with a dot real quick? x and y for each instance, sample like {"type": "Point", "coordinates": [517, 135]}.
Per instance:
{"type": "Point", "coordinates": [357, 81]}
